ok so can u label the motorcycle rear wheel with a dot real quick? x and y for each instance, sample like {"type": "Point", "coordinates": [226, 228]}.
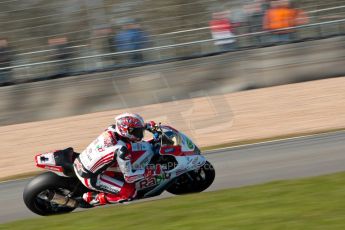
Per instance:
{"type": "Point", "coordinates": [34, 191]}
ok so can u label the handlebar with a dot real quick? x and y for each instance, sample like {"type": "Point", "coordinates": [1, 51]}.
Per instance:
{"type": "Point", "coordinates": [158, 135]}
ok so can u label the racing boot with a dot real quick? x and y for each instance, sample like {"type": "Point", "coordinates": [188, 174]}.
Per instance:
{"type": "Point", "coordinates": [127, 193]}
{"type": "Point", "coordinates": [94, 198]}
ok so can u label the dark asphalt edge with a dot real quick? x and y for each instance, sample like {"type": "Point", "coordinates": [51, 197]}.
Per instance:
{"type": "Point", "coordinates": [301, 138]}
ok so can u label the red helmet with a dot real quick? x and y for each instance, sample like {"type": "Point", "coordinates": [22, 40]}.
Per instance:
{"type": "Point", "coordinates": [130, 126]}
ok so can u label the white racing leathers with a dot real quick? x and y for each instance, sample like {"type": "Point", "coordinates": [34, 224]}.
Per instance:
{"type": "Point", "coordinates": [107, 149]}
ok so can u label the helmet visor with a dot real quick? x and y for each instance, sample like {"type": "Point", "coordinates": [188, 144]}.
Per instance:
{"type": "Point", "coordinates": [137, 132]}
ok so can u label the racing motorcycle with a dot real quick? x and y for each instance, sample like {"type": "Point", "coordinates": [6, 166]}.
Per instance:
{"type": "Point", "coordinates": [177, 163]}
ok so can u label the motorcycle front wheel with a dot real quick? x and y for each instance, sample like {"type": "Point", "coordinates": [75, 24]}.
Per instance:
{"type": "Point", "coordinates": [194, 181]}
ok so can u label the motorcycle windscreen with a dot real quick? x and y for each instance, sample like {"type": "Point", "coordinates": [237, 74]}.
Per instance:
{"type": "Point", "coordinates": [177, 143]}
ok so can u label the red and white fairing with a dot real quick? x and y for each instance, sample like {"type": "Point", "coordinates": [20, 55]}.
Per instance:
{"type": "Point", "coordinates": [183, 150]}
{"type": "Point", "coordinates": [185, 153]}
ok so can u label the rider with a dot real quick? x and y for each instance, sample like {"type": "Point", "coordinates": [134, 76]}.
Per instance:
{"type": "Point", "coordinates": [113, 145]}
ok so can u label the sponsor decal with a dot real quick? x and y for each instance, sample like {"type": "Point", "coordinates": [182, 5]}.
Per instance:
{"type": "Point", "coordinates": [127, 167]}
{"type": "Point", "coordinates": [131, 179]}
{"type": "Point", "coordinates": [195, 160]}
{"type": "Point", "coordinates": [43, 159]}
{"type": "Point", "coordinates": [108, 141]}
{"type": "Point", "coordinates": [100, 148]}
{"type": "Point", "coordinates": [189, 160]}
{"type": "Point", "coordinates": [158, 170]}
{"type": "Point", "coordinates": [169, 150]}
{"type": "Point", "coordinates": [164, 176]}
{"type": "Point", "coordinates": [108, 188]}
{"type": "Point", "coordinates": [183, 141]}
{"type": "Point", "coordinates": [149, 182]}
{"type": "Point", "coordinates": [95, 142]}
{"type": "Point", "coordinates": [53, 168]}
{"type": "Point", "coordinates": [141, 146]}
{"type": "Point", "coordinates": [88, 155]}
{"type": "Point", "coordinates": [47, 158]}
{"type": "Point", "coordinates": [189, 143]}
{"type": "Point", "coordinates": [135, 147]}
{"type": "Point", "coordinates": [78, 165]}
{"type": "Point", "coordinates": [153, 181]}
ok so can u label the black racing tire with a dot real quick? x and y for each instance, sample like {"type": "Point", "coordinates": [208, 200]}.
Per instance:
{"type": "Point", "coordinates": [202, 179]}
{"type": "Point", "coordinates": [43, 182]}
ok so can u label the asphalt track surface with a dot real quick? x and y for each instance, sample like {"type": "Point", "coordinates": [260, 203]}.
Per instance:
{"type": "Point", "coordinates": [235, 167]}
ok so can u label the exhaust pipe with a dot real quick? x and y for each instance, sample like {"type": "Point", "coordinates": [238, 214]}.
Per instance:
{"type": "Point", "coordinates": [62, 200]}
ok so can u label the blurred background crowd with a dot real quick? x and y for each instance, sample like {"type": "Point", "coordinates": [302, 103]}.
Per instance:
{"type": "Point", "coordinates": [51, 39]}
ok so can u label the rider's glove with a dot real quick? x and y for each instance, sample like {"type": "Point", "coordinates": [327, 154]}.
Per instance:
{"type": "Point", "coordinates": [151, 125]}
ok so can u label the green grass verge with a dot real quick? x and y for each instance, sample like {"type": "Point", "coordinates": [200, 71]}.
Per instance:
{"type": "Point", "coordinates": [311, 203]}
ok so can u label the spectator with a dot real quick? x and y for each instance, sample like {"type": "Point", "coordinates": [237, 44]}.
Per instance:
{"type": "Point", "coordinates": [62, 52]}
{"type": "Point", "coordinates": [222, 31]}
{"type": "Point", "coordinates": [256, 12]}
{"type": "Point", "coordinates": [5, 62]}
{"type": "Point", "coordinates": [102, 43]}
{"type": "Point", "coordinates": [104, 35]}
{"type": "Point", "coordinates": [278, 18]}
{"type": "Point", "coordinates": [301, 18]}
{"type": "Point", "coordinates": [130, 38]}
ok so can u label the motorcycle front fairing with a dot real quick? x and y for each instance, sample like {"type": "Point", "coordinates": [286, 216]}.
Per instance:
{"type": "Point", "coordinates": [186, 158]}
{"type": "Point", "coordinates": [186, 153]}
